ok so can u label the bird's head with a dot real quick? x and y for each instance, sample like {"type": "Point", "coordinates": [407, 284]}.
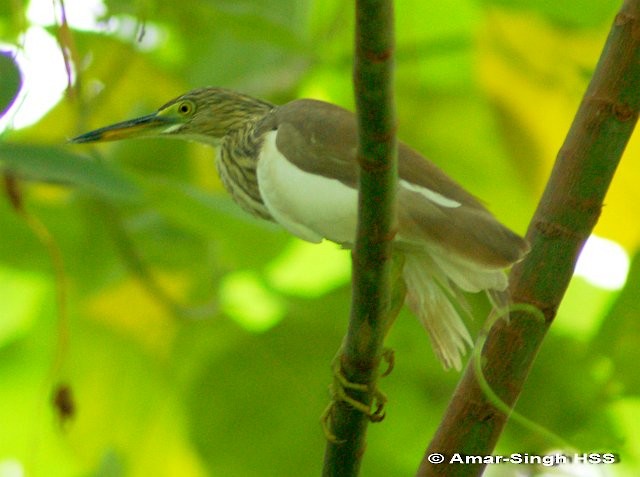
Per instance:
{"type": "Point", "coordinates": [203, 115]}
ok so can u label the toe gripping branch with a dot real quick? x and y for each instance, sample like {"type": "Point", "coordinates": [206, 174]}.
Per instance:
{"type": "Point", "coordinates": [340, 386]}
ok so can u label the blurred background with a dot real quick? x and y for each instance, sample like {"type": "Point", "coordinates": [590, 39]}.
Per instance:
{"type": "Point", "coordinates": [148, 327]}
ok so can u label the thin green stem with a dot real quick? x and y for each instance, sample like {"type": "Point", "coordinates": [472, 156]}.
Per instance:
{"type": "Point", "coordinates": [372, 300]}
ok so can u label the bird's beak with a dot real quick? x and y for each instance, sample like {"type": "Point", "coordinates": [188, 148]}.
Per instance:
{"type": "Point", "coordinates": [150, 125]}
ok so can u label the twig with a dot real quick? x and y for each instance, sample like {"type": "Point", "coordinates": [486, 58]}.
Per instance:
{"type": "Point", "coordinates": [362, 349]}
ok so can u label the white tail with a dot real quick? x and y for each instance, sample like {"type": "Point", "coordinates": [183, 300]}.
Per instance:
{"type": "Point", "coordinates": [433, 280]}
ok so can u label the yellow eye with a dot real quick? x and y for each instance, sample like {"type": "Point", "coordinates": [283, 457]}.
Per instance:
{"type": "Point", "coordinates": [186, 108]}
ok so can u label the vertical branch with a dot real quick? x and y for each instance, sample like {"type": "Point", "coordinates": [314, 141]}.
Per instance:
{"type": "Point", "coordinates": [362, 349]}
{"type": "Point", "coordinates": [566, 215]}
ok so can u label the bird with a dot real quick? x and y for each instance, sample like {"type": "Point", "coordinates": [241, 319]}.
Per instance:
{"type": "Point", "coordinates": [295, 164]}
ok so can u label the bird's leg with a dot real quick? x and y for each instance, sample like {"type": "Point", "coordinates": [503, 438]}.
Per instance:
{"type": "Point", "coordinates": [398, 291]}
{"type": "Point", "coordinates": [398, 294]}
{"type": "Point", "coordinates": [341, 385]}
{"type": "Point", "coordinates": [338, 388]}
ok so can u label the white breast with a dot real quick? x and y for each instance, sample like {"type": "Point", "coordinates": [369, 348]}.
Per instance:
{"type": "Point", "coordinates": [309, 206]}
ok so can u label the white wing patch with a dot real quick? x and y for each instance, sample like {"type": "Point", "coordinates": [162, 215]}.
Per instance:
{"type": "Point", "coordinates": [309, 206]}
{"type": "Point", "coordinates": [430, 195]}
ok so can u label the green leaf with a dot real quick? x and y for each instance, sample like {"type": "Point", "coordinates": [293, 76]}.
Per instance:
{"type": "Point", "coordinates": [50, 164]}
{"type": "Point", "coordinates": [620, 333]}
{"type": "Point", "coordinates": [571, 13]}
{"type": "Point", "coordinates": [10, 81]}
{"type": "Point", "coordinates": [21, 294]}
{"type": "Point", "coordinates": [242, 240]}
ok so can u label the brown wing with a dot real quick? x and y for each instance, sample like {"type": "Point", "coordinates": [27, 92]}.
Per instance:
{"type": "Point", "coordinates": [321, 138]}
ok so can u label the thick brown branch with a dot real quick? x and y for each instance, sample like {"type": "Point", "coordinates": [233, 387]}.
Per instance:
{"type": "Point", "coordinates": [565, 217]}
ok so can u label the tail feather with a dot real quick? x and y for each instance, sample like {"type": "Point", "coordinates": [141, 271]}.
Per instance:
{"type": "Point", "coordinates": [470, 277]}
{"type": "Point", "coordinates": [432, 283]}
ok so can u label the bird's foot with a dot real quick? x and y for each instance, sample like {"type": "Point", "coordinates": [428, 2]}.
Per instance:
{"type": "Point", "coordinates": [375, 410]}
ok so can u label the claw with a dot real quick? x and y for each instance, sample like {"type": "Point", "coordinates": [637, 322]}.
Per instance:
{"type": "Point", "coordinates": [374, 411]}
{"type": "Point", "coordinates": [389, 357]}
{"type": "Point", "coordinates": [325, 421]}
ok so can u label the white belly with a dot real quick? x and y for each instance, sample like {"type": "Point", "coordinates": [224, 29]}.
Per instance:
{"type": "Point", "coordinates": [309, 206]}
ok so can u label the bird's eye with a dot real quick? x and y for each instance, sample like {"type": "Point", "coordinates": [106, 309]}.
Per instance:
{"type": "Point", "coordinates": [185, 108]}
